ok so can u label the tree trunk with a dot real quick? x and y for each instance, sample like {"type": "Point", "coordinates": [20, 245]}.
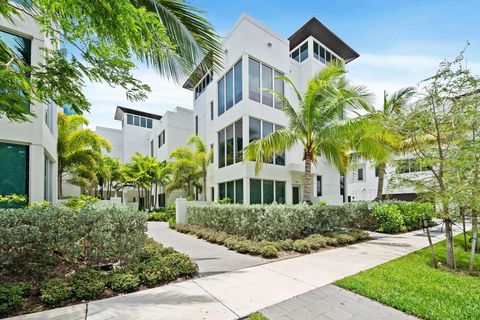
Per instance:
{"type": "Point", "coordinates": [474, 240]}
{"type": "Point", "coordinates": [307, 181]}
{"type": "Point", "coordinates": [450, 244]}
{"type": "Point", "coordinates": [462, 214]}
{"type": "Point", "coordinates": [381, 181]}
{"type": "Point", "coordinates": [205, 188]}
{"type": "Point", "coordinates": [156, 196]}
{"type": "Point", "coordinates": [59, 185]}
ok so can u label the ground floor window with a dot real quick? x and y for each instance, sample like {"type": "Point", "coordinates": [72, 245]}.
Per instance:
{"type": "Point", "coordinates": [266, 191]}
{"type": "Point", "coordinates": [232, 190]}
{"type": "Point", "coordinates": [48, 179]}
{"type": "Point", "coordinates": [14, 169]}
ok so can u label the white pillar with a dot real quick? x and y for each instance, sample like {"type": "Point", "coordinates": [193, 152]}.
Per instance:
{"type": "Point", "coordinates": [181, 210]}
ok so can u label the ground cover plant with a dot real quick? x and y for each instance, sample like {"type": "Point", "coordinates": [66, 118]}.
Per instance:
{"type": "Point", "coordinates": [412, 284]}
{"type": "Point", "coordinates": [272, 249]}
{"type": "Point", "coordinates": [55, 255]}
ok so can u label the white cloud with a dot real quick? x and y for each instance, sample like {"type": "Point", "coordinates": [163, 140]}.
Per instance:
{"type": "Point", "coordinates": [165, 95]}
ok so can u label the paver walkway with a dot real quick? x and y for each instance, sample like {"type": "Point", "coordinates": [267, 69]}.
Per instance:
{"type": "Point", "coordinates": [332, 303]}
{"type": "Point", "coordinates": [238, 293]}
{"type": "Point", "coordinates": [211, 258]}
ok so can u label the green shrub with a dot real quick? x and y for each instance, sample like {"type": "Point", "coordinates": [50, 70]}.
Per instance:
{"type": "Point", "coordinates": [80, 202]}
{"type": "Point", "coordinates": [166, 268]}
{"type": "Point", "coordinates": [88, 283]}
{"type": "Point", "coordinates": [413, 213]}
{"type": "Point", "coordinates": [124, 282]}
{"type": "Point", "coordinates": [389, 218]}
{"type": "Point", "coordinates": [316, 241]}
{"type": "Point", "coordinates": [301, 246]}
{"type": "Point", "coordinates": [161, 216]}
{"type": "Point", "coordinates": [359, 215]}
{"type": "Point", "coordinates": [331, 241]}
{"type": "Point", "coordinates": [11, 295]}
{"type": "Point", "coordinates": [359, 234]}
{"type": "Point", "coordinates": [286, 244]}
{"type": "Point", "coordinates": [153, 272]}
{"type": "Point", "coordinates": [180, 264]}
{"type": "Point", "coordinates": [55, 291]}
{"type": "Point", "coordinates": [37, 239]}
{"type": "Point", "coordinates": [344, 238]}
{"type": "Point", "coordinates": [269, 251]}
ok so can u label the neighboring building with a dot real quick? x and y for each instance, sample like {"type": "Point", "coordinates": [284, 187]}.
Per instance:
{"type": "Point", "coordinates": [28, 150]}
{"type": "Point", "coordinates": [362, 180]}
{"type": "Point", "coordinates": [231, 110]}
{"type": "Point", "coordinates": [150, 135]}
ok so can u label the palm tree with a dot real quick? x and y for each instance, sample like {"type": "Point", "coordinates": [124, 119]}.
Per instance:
{"type": "Point", "coordinates": [185, 171]}
{"type": "Point", "coordinates": [203, 157]}
{"type": "Point", "coordinates": [318, 122]}
{"type": "Point", "coordinates": [161, 177]}
{"type": "Point", "coordinates": [76, 146]}
{"type": "Point", "coordinates": [383, 131]}
{"type": "Point", "coordinates": [140, 173]}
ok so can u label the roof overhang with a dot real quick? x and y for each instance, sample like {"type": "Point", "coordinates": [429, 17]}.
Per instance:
{"type": "Point", "coordinates": [320, 32]}
{"type": "Point", "coordinates": [120, 113]}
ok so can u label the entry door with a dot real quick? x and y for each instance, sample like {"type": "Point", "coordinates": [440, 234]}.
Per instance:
{"type": "Point", "coordinates": [296, 195]}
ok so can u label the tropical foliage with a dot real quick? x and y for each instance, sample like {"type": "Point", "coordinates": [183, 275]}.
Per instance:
{"type": "Point", "coordinates": [318, 123]}
{"type": "Point", "coordinates": [105, 38]}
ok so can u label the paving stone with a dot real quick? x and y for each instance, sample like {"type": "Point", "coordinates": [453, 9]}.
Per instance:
{"type": "Point", "coordinates": [338, 314]}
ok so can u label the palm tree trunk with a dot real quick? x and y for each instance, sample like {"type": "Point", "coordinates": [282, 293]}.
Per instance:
{"type": "Point", "coordinates": [307, 181]}
{"type": "Point", "coordinates": [474, 240]}
{"type": "Point", "coordinates": [381, 181]}
{"type": "Point", "coordinates": [59, 185]}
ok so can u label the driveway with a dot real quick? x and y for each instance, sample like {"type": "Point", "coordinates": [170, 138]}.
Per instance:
{"type": "Point", "coordinates": [211, 258]}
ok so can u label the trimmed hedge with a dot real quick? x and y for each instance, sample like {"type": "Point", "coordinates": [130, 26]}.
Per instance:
{"type": "Point", "coordinates": [278, 222]}
{"type": "Point", "coordinates": [36, 241]}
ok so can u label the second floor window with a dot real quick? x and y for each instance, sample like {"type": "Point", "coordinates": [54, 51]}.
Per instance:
{"type": "Point", "coordinates": [230, 144]}
{"type": "Point", "coordinates": [260, 129]}
{"type": "Point", "coordinates": [260, 77]}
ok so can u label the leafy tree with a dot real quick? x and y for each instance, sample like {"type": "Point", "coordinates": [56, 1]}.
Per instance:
{"type": "Point", "coordinates": [77, 147]}
{"type": "Point", "coordinates": [140, 174]}
{"type": "Point", "coordinates": [203, 158]}
{"type": "Point", "coordinates": [318, 123]}
{"type": "Point", "coordinates": [186, 171]}
{"type": "Point", "coordinates": [105, 38]}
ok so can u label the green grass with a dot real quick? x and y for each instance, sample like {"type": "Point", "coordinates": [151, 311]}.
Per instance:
{"type": "Point", "coordinates": [257, 316]}
{"type": "Point", "coordinates": [412, 285]}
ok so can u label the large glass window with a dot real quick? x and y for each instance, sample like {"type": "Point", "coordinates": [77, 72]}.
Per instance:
{"type": "Point", "coordinates": [254, 79]}
{"type": "Point", "coordinates": [14, 169]}
{"type": "Point", "coordinates": [279, 156]}
{"type": "Point", "coordinates": [196, 125]}
{"type": "Point", "coordinates": [238, 82]}
{"type": "Point", "coordinates": [316, 51]}
{"type": "Point", "coordinates": [129, 119]}
{"type": "Point", "coordinates": [229, 136]}
{"type": "Point", "coordinates": [211, 110]}
{"type": "Point", "coordinates": [280, 191]}
{"type": "Point", "coordinates": [221, 96]}
{"type": "Point", "coordinates": [221, 149]}
{"type": "Point", "coordinates": [267, 83]}
{"type": "Point", "coordinates": [267, 128]}
{"type": "Point", "coordinates": [279, 86]}
{"type": "Point", "coordinates": [255, 191]}
{"type": "Point", "coordinates": [230, 144]}
{"type": "Point", "coordinates": [161, 139]}
{"type": "Point", "coordinates": [229, 89]}
{"type": "Point", "coordinates": [304, 52]}
{"type": "Point", "coordinates": [260, 128]}
{"type": "Point", "coordinates": [48, 180]}
{"type": "Point", "coordinates": [238, 141]}
{"type": "Point", "coordinates": [232, 190]}
{"type": "Point", "coordinates": [319, 186]}
{"type": "Point", "coordinates": [267, 191]}
{"type": "Point", "coordinates": [21, 47]}
{"type": "Point", "coordinates": [136, 121]}
{"type": "Point", "coordinates": [254, 129]}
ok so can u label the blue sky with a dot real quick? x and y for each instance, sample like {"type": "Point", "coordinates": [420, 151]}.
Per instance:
{"type": "Point", "coordinates": [399, 42]}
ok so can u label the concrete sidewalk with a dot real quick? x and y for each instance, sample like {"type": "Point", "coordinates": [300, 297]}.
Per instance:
{"type": "Point", "coordinates": [236, 294]}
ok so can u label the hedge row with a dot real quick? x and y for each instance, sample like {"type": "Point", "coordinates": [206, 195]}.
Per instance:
{"type": "Point", "coordinates": [271, 249]}
{"type": "Point", "coordinates": [36, 241]}
{"type": "Point", "coordinates": [279, 222]}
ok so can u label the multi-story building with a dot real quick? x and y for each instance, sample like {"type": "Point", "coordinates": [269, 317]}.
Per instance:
{"type": "Point", "coordinates": [231, 109]}
{"type": "Point", "coordinates": [28, 150]}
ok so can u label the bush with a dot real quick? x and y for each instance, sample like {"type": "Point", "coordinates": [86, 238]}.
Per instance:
{"type": "Point", "coordinates": [301, 246]}
{"type": "Point", "coordinates": [161, 216]}
{"type": "Point", "coordinates": [269, 251]}
{"type": "Point", "coordinates": [55, 291]}
{"type": "Point", "coordinates": [316, 241]}
{"type": "Point", "coordinates": [344, 238]}
{"type": "Point", "coordinates": [35, 241]}
{"type": "Point", "coordinates": [88, 283]}
{"type": "Point", "coordinates": [413, 213]}
{"type": "Point", "coordinates": [359, 215]}
{"type": "Point", "coordinates": [124, 282]}
{"type": "Point", "coordinates": [80, 202]}
{"type": "Point", "coordinates": [389, 218]}
{"type": "Point", "coordinates": [11, 295]}
{"type": "Point", "coordinates": [286, 244]}
{"type": "Point", "coordinates": [180, 264]}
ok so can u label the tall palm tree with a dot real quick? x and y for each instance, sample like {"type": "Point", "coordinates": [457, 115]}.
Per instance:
{"type": "Point", "coordinates": [76, 146]}
{"type": "Point", "coordinates": [384, 131]}
{"type": "Point", "coordinates": [318, 122]}
{"type": "Point", "coordinates": [203, 157]}
{"type": "Point", "coordinates": [185, 171]}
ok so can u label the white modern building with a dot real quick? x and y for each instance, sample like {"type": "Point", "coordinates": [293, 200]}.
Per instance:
{"type": "Point", "coordinates": [231, 110]}
{"type": "Point", "coordinates": [28, 150]}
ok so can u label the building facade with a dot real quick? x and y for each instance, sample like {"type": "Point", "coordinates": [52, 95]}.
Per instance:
{"type": "Point", "coordinates": [231, 109]}
{"type": "Point", "coordinates": [28, 150]}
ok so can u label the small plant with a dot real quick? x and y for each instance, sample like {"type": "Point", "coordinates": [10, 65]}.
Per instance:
{"type": "Point", "coordinates": [390, 218]}
{"type": "Point", "coordinates": [80, 202]}
{"type": "Point", "coordinates": [11, 295]}
{"type": "Point", "coordinates": [88, 283]}
{"type": "Point", "coordinates": [257, 316]}
{"type": "Point", "coordinates": [301, 246]}
{"type": "Point", "coordinates": [316, 241]}
{"type": "Point", "coordinates": [124, 282]}
{"type": "Point", "coordinates": [269, 252]}
{"type": "Point", "coordinates": [286, 244]}
{"type": "Point", "coordinates": [55, 291]}
{"type": "Point", "coordinates": [225, 201]}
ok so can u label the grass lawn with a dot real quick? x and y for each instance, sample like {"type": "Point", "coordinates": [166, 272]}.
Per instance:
{"type": "Point", "coordinates": [412, 285]}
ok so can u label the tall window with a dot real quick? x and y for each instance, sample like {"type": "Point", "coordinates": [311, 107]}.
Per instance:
{"type": "Point", "coordinates": [319, 186]}
{"type": "Point", "coordinates": [211, 110]}
{"type": "Point", "coordinates": [161, 139]}
{"type": "Point", "coordinates": [230, 144]}
{"type": "Point", "coordinates": [14, 169]}
{"type": "Point", "coordinates": [151, 148]}
{"type": "Point", "coordinates": [322, 54]}
{"type": "Point", "coordinates": [196, 125]}
{"type": "Point", "coordinates": [360, 176]}
{"type": "Point", "coordinates": [300, 54]}
{"type": "Point", "coordinates": [342, 186]}
{"type": "Point", "coordinates": [266, 191]}
{"type": "Point", "coordinates": [232, 190]}
{"type": "Point", "coordinates": [259, 128]}
{"type": "Point", "coordinates": [230, 88]}
{"type": "Point", "coordinates": [261, 77]}
{"type": "Point", "coordinates": [48, 180]}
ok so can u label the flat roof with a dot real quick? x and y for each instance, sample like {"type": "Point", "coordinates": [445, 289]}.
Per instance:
{"type": "Point", "coordinates": [119, 113]}
{"type": "Point", "coordinates": [320, 32]}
